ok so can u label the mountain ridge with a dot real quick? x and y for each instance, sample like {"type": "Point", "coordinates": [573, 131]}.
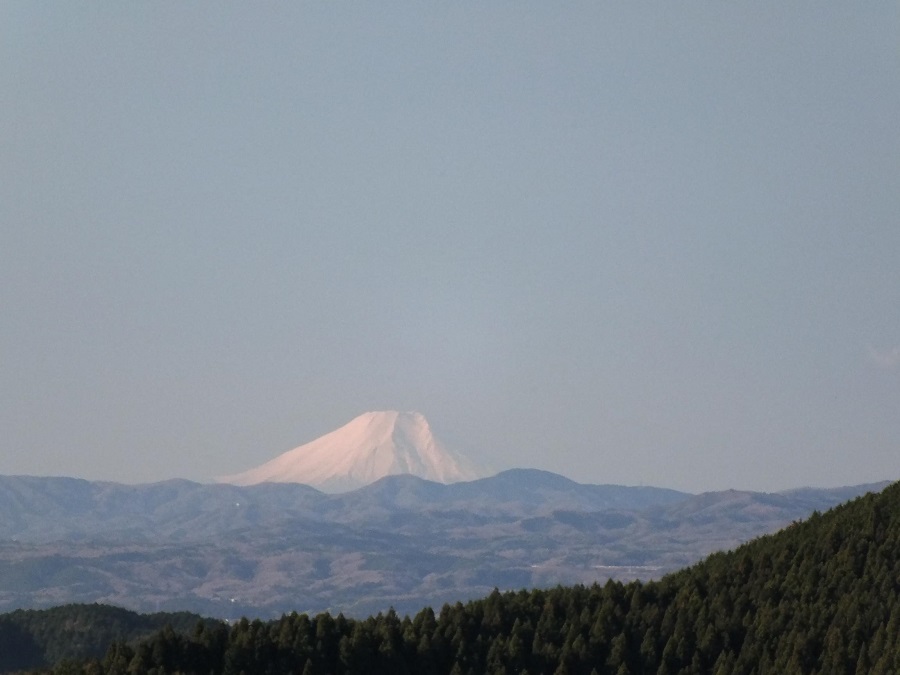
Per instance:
{"type": "Point", "coordinates": [225, 550]}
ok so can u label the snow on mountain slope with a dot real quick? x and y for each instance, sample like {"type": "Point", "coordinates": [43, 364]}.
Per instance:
{"type": "Point", "coordinates": [369, 447]}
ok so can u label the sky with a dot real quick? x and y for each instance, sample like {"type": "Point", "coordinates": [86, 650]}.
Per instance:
{"type": "Point", "coordinates": [633, 243]}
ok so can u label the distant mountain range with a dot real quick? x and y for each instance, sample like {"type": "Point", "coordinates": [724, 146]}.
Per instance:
{"type": "Point", "coordinates": [45, 510]}
{"type": "Point", "coordinates": [369, 447]}
{"type": "Point", "coordinates": [260, 550]}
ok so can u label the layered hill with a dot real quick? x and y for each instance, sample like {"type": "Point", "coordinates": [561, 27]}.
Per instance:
{"type": "Point", "coordinates": [369, 447]}
{"type": "Point", "coordinates": [819, 597]}
{"type": "Point", "coordinates": [225, 550]}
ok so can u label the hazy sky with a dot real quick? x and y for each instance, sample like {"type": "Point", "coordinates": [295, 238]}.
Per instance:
{"type": "Point", "coordinates": [631, 243]}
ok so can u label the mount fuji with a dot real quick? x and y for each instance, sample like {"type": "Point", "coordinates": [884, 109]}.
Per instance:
{"type": "Point", "coordinates": [369, 447]}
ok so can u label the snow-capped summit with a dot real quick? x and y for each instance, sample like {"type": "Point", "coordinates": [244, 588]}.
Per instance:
{"type": "Point", "coordinates": [369, 447]}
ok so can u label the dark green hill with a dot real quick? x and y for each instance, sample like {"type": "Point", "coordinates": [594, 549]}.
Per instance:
{"type": "Point", "coordinates": [32, 639]}
{"type": "Point", "coordinates": [819, 597]}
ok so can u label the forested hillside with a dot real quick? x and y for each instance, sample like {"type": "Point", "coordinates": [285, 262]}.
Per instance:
{"type": "Point", "coordinates": [818, 597]}
{"type": "Point", "coordinates": [32, 639]}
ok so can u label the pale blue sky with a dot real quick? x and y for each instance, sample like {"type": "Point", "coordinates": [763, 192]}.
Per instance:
{"type": "Point", "coordinates": [632, 243]}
